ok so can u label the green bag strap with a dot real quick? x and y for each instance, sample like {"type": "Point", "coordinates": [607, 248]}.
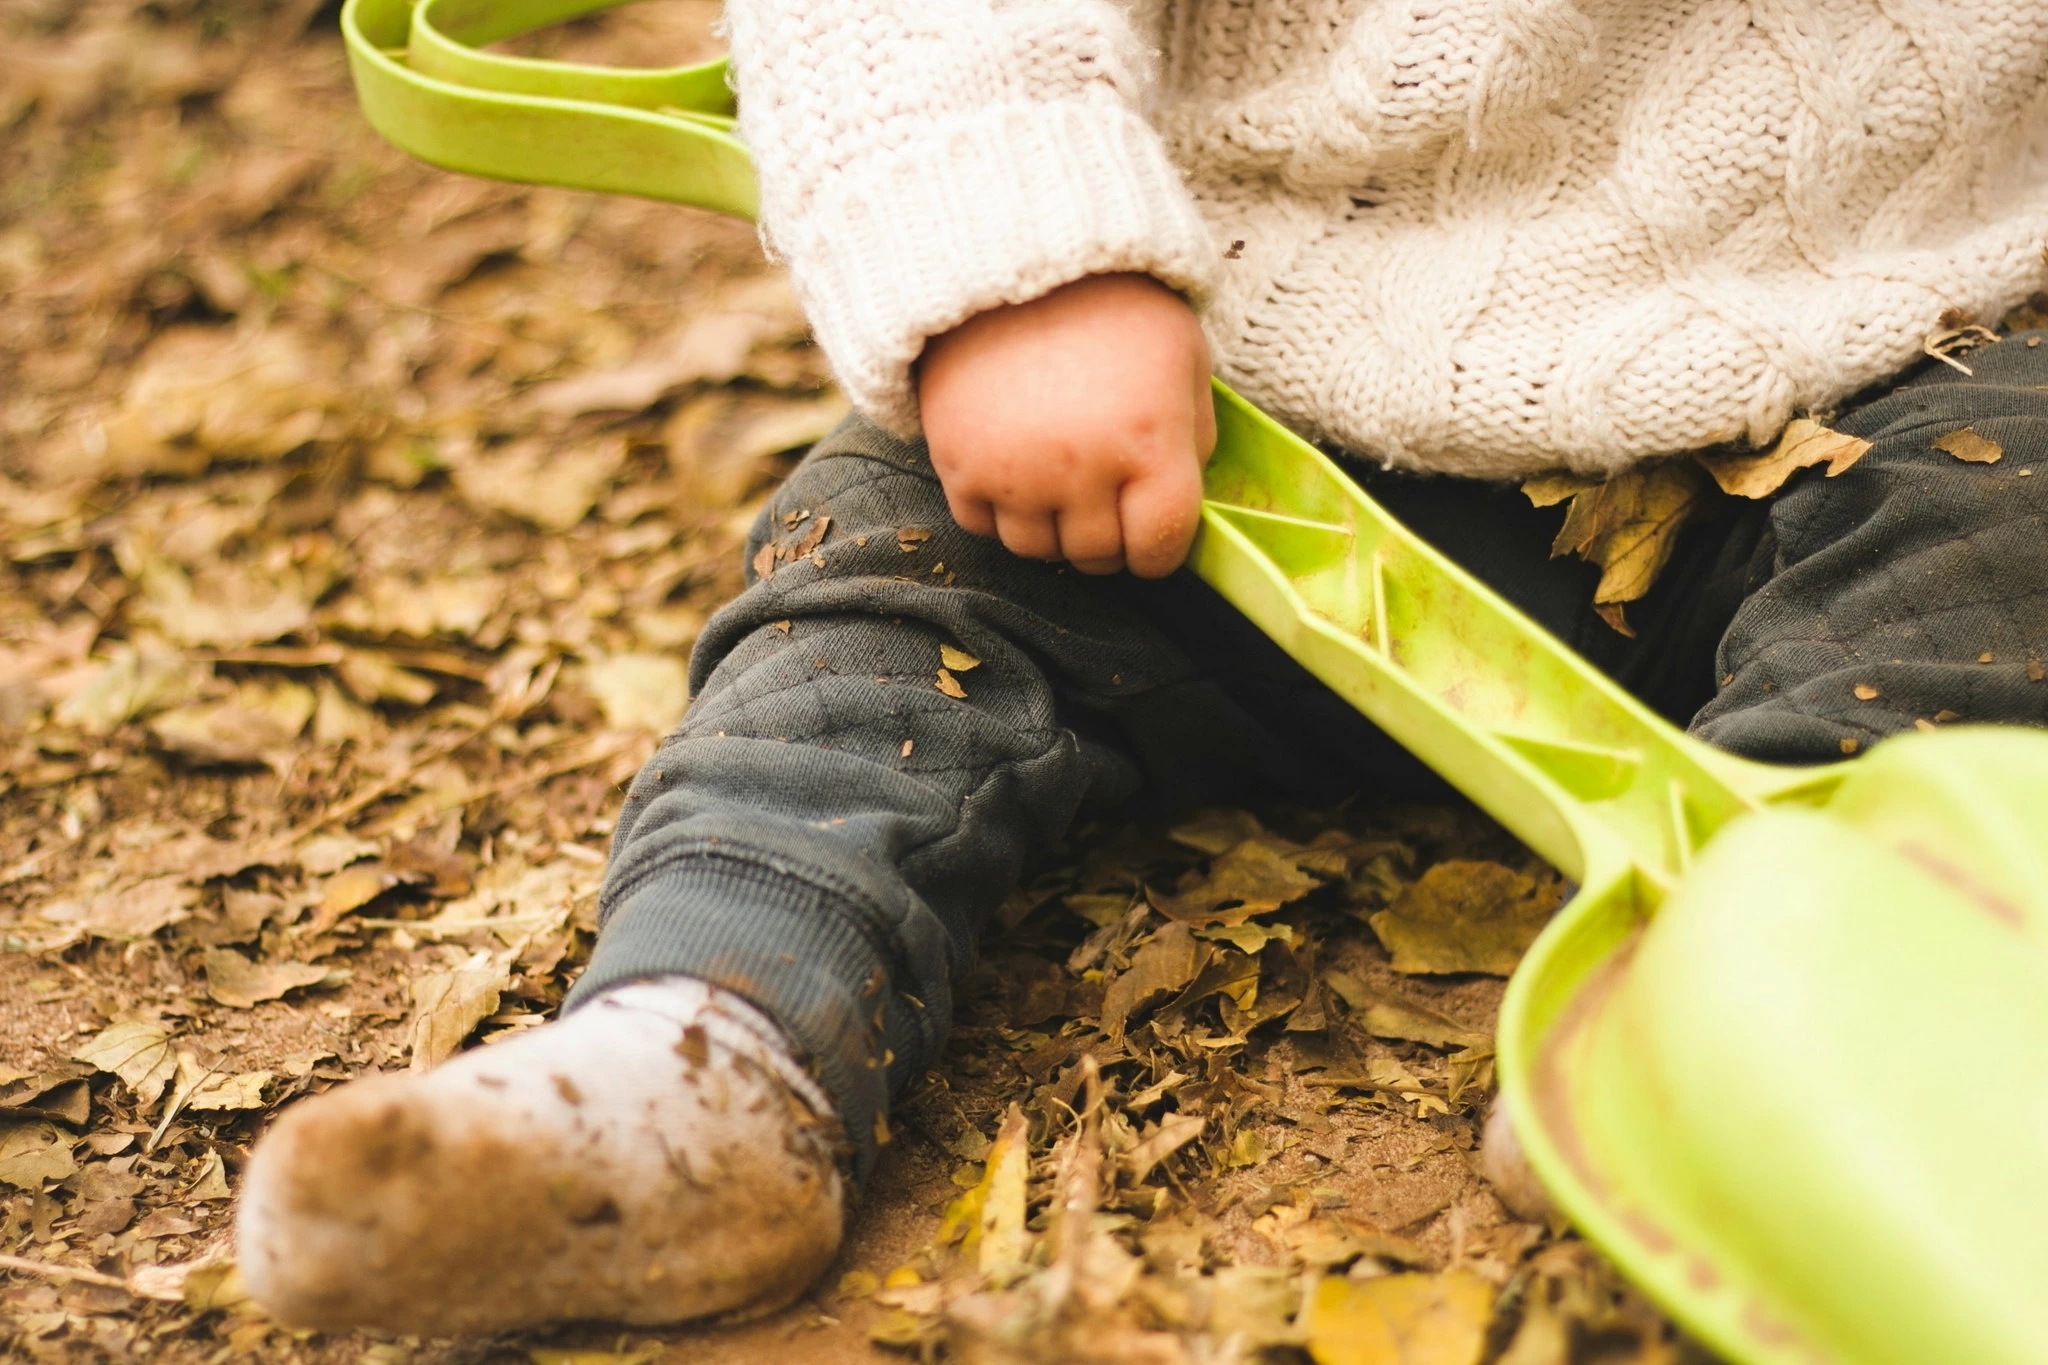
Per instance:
{"type": "Point", "coordinates": [663, 134]}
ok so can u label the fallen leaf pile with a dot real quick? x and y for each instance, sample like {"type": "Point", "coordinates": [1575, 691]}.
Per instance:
{"type": "Point", "coordinates": [357, 520]}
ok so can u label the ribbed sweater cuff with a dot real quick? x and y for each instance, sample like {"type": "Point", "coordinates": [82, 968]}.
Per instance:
{"type": "Point", "coordinates": [803, 955]}
{"type": "Point", "coordinates": [1001, 206]}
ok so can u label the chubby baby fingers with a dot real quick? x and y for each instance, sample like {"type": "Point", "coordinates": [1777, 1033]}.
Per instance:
{"type": "Point", "coordinates": [1028, 534]}
{"type": "Point", "coordinates": [1160, 513]}
{"type": "Point", "coordinates": [1092, 536]}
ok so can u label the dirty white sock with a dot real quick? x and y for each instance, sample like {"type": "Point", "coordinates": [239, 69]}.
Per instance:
{"type": "Point", "coordinates": [654, 1157]}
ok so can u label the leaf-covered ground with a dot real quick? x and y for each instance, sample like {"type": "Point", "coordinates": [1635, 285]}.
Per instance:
{"type": "Point", "coordinates": [357, 519]}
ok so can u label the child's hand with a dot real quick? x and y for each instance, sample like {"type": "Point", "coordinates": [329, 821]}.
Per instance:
{"type": "Point", "coordinates": [1075, 426]}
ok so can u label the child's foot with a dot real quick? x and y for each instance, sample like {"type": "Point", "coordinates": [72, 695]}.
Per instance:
{"type": "Point", "coordinates": [656, 1156]}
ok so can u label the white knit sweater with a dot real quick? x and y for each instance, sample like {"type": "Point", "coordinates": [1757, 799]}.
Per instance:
{"type": "Point", "coordinates": [1478, 236]}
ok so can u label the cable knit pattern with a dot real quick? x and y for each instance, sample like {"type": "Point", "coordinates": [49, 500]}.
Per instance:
{"type": "Point", "coordinates": [1480, 237]}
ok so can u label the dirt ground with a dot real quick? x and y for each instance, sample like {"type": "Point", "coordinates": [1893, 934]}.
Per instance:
{"type": "Point", "coordinates": [357, 520]}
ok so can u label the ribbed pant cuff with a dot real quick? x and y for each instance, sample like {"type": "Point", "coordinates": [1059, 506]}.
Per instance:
{"type": "Point", "coordinates": [805, 956]}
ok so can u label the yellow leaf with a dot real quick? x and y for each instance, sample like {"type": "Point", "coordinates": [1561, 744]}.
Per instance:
{"type": "Point", "coordinates": [950, 685]}
{"type": "Point", "coordinates": [959, 660]}
{"type": "Point", "coordinates": [1005, 1245]}
{"type": "Point", "coordinates": [1409, 1319]}
{"type": "Point", "coordinates": [1629, 526]}
{"type": "Point", "coordinates": [857, 1284]}
{"type": "Point", "coordinates": [1615, 614]}
{"type": "Point", "coordinates": [1968, 446]}
{"type": "Point", "coordinates": [1804, 444]}
{"type": "Point", "coordinates": [1547, 490]}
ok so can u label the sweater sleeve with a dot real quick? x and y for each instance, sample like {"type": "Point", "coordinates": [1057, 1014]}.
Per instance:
{"type": "Point", "coordinates": [921, 161]}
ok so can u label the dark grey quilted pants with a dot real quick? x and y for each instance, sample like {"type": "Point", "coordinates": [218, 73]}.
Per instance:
{"type": "Point", "coordinates": [828, 832]}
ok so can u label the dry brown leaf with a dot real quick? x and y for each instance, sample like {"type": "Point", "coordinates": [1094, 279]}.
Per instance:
{"type": "Point", "coordinates": [1407, 1319]}
{"type": "Point", "coordinates": [1385, 1014]}
{"type": "Point", "coordinates": [238, 983]}
{"type": "Point", "coordinates": [1215, 831]}
{"type": "Point", "coordinates": [129, 914]}
{"type": "Point", "coordinates": [228, 606]}
{"type": "Point", "coordinates": [32, 1154]}
{"type": "Point", "coordinates": [1253, 878]}
{"type": "Point", "coordinates": [135, 680]}
{"type": "Point", "coordinates": [259, 723]}
{"type": "Point", "coordinates": [350, 889]}
{"type": "Point", "coordinates": [202, 393]}
{"type": "Point", "coordinates": [373, 677]}
{"type": "Point", "coordinates": [1166, 963]}
{"type": "Point", "coordinates": [639, 691]}
{"type": "Point", "coordinates": [1548, 490]}
{"type": "Point", "coordinates": [712, 345]}
{"type": "Point", "coordinates": [447, 1007]}
{"type": "Point", "coordinates": [551, 488]}
{"type": "Point", "coordinates": [455, 605]}
{"type": "Point", "coordinates": [137, 1051]}
{"type": "Point", "coordinates": [1464, 916]}
{"type": "Point", "coordinates": [1629, 525]}
{"type": "Point", "coordinates": [720, 442]}
{"type": "Point", "coordinates": [1174, 1132]}
{"type": "Point", "coordinates": [1967, 445]}
{"type": "Point", "coordinates": [1615, 614]}
{"type": "Point", "coordinates": [1804, 444]}
{"type": "Point", "coordinates": [58, 1093]}
{"type": "Point", "coordinates": [214, 1089]}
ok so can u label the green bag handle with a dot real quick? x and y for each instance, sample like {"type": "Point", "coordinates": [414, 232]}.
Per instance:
{"type": "Point", "coordinates": [1616, 798]}
{"type": "Point", "coordinates": [424, 86]}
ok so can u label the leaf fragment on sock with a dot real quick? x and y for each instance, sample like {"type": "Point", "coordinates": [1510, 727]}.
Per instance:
{"type": "Point", "coordinates": [959, 660]}
{"type": "Point", "coordinates": [950, 685]}
{"type": "Point", "coordinates": [1805, 443]}
{"type": "Point", "coordinates": [1970, 447]}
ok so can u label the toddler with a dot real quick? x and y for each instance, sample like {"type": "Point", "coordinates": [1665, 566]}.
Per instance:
{"type": "Point", "coordinates": [1458, 241]}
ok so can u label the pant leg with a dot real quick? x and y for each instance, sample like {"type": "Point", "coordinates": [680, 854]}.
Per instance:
{"type": "Point", "coordinates": [829, 828]}
{"type": "Point", "coordinates": [1912, 573]}
{"type": "Point", "coordinates": [827, 832]}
